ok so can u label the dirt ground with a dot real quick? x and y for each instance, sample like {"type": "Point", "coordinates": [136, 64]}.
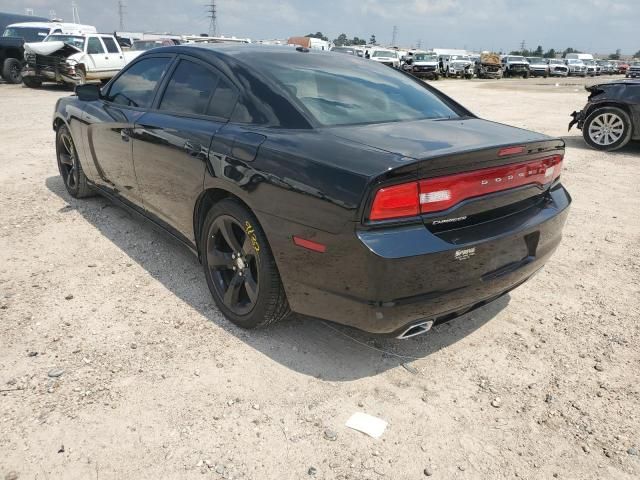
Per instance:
{"type": "Point", "coordinates": [156, 384]}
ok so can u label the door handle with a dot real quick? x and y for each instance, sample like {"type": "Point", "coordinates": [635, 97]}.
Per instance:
{"type": "Point", "coordinates": [192, 149]}
{"type": "Point", "coordinates": [124, 135]}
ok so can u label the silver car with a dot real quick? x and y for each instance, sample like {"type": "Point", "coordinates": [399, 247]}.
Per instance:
{"type": "Point", "coordinates": [538, 67]}
{"type": "Point", "coordinates": [576, 67]}
{"type": "Point", "coordinates": [557, 68]}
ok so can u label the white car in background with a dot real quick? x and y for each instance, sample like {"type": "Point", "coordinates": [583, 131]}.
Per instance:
{"type": "Point", "coordinates": [457, 66]}
{"type": "Point", "coordinates": [557, 68]}
{"type": "Point", "coordinates": [385, 56]}
{"type": "Point", "coordinates": [576, 67]}
{"type": "Point", "coordinates": [73, 59]}
{"type": "Point", "coordinates": [538, 67]}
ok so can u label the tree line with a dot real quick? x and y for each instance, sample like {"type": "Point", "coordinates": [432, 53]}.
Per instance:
{"type": "Point", "coordinates": [343, 40]}
{"type": "Point", "coordinates": [552, 53]}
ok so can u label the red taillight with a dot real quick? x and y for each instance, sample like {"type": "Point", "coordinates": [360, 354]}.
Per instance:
{"type": "Point", "coordinates": [396, 201]}
{"type": "Point", "coordinates": [441, 193]}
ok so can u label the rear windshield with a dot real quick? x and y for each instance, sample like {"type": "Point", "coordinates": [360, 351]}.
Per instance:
{"type": "Point", "coordinates": [29, 34]}
{"type": "Point", "coordinates": [348, 91]}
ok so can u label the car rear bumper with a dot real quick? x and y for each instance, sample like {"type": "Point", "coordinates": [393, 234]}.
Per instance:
{"type": "Point", "coordinates": [393, 278]}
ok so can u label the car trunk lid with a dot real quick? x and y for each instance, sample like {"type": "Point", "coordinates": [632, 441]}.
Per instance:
{"type": "Point", "coordinates": [490, 171]}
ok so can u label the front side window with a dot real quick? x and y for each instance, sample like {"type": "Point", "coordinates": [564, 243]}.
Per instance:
{"type": "Point", "coordinates": [343, 91]}
{"type": "Point", "coordinates": [135, 87]}
{"type": "Point", "coordinates": [94, 46]}
{"type": "Point", "coordinates": [110, 43]}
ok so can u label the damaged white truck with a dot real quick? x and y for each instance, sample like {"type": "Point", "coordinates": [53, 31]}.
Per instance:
{"type": "Point", "coordinates": [73, 59]}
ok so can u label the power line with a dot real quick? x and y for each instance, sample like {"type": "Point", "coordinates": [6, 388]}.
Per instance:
{"type": "Point", "coordinates": [213, 17]}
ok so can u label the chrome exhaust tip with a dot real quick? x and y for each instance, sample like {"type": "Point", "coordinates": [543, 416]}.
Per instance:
{"type": "Point", "coordinates": [416, 329]}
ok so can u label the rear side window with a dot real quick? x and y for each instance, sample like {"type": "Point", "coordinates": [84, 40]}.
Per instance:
{"type": "Point", "coordinates": [223, 100]}
{"type": "Point", "coordinates": [94, 46]}
{"type": "Point", "coordinates": [194, 89]}
{"type": "Point", "coordinates": [135, 87]}
{"type": "Point", "coordinates": [189, 89]}
{"type": "Point", "coordinates": [110, 43]}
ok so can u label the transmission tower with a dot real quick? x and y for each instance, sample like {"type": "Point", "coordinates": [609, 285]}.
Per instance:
{"type": "Point", "coordinates": [121, 12]}
{"type": "Point", "coordinates": [213, 18]}
{"type": "Point", "coordinates": [523, 44]}
{"type": "Point", "coordinates": [74, 12]}
{"type": "Point", "coordinates": [394, 36]}
{"type": "Point", "coordinates": [28, 11]}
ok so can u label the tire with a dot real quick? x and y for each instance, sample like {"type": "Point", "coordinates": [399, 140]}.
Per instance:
{"type": "Point", "coordinates": [525, 75]}
{"type": "Point", "coordinates": [248, 289]}
{"type": "Point", "coordinates": [616, 125]}
{"type": "Point", "coordinates": [82, 76]}
{"type": "Point", "coordinates": [32, 82]}
{"type": "Point", "coordinates": [75, 181]}
{"type": "Point", "coordinates": [12, 70]}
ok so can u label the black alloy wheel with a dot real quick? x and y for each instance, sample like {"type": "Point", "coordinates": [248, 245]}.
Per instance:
{"type": "Point", "coordinates": [233, 264]}
{"type": "Point", "coordinates": [69, 164]}
{"type": "Point", "coordinates": [239, 267]}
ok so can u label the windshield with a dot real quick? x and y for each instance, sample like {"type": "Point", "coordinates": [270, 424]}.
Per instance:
{"type": "Point", "coordinates": [74, 40]}
{"type": "Point", "coordinates": [535, 60]}
{"type": "Point", "coordinates": [384, 53]}
{"type": "Point", "coordinates": [350, 51]}
{"type": "Point", "coordinates": [425, 57]}
{"type": "Point", "coordinates": [29, 34]}
{"type": "Point", "coordinates": [345, 91]}
{"type": "Point", "coordinates": [461, 58]}
{"type": "Point", "coordinates": [517, 59]}
{"type": "Point", "coordinates": [556, 62]}
{"type": "Point", "coordinates": [149, 44]}
{"type": "Point", "coordinates": [575, 61]}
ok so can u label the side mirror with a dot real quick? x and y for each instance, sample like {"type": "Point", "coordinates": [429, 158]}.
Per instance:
{"type": "Point", "coordinates": [88, 92]}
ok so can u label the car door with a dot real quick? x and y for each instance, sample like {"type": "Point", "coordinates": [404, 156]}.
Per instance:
{"type": "Point", "coordinates": [115, 58]}
{"type": "Point", "coordinates": [171, 142]}
{"type": "Point", "coordinates": [110, 123]}
{"type": "Point", "coordinates": [98, 57]}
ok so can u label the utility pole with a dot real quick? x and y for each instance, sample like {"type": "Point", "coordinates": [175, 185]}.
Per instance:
{"type": "Point", "coordinates": [121, 12]}
{"type": "Point", "coordinates": [394, 36]}
{"type": "Point", "coordinates": [419, 44]}
{"type": "Point", "coordinates": [213, 17]}
{"type": "Point", "coordinates": [523, 45]}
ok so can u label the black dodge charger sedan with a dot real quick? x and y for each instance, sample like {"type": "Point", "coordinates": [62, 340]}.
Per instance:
{"type": "Point", "coordinates": [318, 183]}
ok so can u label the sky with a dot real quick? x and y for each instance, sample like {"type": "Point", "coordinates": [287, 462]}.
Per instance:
{"type": "Point", "coordinates": [597, 26]}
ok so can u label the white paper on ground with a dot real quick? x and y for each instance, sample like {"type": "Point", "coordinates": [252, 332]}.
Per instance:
{"type": "Point", "coordinates": [372, 426]}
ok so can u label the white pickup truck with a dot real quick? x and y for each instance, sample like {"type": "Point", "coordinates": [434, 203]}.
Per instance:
{"type": "Point", "coordinates": [73, 59]}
